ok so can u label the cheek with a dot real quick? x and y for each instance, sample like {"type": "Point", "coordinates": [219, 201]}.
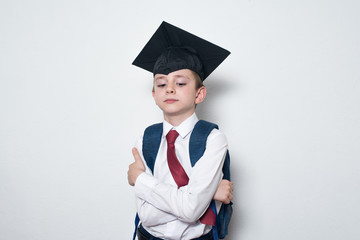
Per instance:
{"type": "Point", "coordinates": [190, 95]}
{"type": "Point", "coordinates": [191, 92]}
{"type": "Point", "coordinates": [157, 95]}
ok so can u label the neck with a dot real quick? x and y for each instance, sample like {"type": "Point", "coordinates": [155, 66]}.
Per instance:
{"type": "Point", "coordinates": [176, 120]}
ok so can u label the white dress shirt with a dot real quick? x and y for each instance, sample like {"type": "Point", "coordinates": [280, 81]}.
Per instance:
{"type": "Point", "coordinates": [171, 213]}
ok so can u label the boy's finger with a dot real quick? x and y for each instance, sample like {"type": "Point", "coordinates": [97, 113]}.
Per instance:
{"type": "Point", "coordinates": [136, 154]}
{"type": "Point", "coordinates": [138, 160]}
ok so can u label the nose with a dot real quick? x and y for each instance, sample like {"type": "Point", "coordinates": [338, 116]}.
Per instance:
{"type": "Point", "coordinates": [170, 88]}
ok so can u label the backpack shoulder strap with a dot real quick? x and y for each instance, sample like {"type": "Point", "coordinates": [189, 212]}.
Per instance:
{"type": "Point", "coordinates": [151, 144]}
{"type": "Point", "coordinates": [198, 138]}
{"type": "Point", "coordinates": [226, 167]}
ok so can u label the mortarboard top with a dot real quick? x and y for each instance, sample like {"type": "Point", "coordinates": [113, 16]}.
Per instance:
{"type": "Point", "coordinates": [171, 49]}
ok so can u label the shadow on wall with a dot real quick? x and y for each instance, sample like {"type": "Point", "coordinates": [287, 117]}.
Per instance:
{"type": "Point", "coordinates": [216, 89]}
{"type": "Point", "coordinates": [208, 110]}
{"type": "Point", "coordinates": [237, 221]}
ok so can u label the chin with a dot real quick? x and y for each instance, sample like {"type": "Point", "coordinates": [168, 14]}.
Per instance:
{"type": "Point", "coordinates": [172, 113]}
{"type": "Point", "coordinates": [178, 113]}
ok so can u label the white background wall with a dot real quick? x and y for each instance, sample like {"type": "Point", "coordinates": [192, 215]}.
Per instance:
{"type": "Point", "coordinates": [72, 105]}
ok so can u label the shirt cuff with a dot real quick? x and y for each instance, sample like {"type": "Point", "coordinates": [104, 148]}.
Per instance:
{"type": "Point", "coordinates": [144, 185]}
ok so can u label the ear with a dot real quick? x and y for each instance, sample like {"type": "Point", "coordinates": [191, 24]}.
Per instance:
{"type": "Point", "coordinates": [200, 95]}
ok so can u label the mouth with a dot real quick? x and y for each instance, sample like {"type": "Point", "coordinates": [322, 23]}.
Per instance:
{"type": "Point", "coordinates": [170, 100]}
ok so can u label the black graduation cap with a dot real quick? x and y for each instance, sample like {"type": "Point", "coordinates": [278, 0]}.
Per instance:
{"type": "Point", "coordinates": [171, 49]}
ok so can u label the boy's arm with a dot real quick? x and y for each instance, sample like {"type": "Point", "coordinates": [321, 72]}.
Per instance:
{"type": "Point", "coordinates": [152, 216]}
{"type": "Point", "coordinates": [223, 192]}
{"type": "Point", "coordinates": [188, 203]}
{"type": "Point", "coordinates": [149, 214]}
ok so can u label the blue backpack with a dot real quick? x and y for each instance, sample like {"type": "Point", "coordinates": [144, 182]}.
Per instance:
{"type": "Point", "coordinates": [197, 145]}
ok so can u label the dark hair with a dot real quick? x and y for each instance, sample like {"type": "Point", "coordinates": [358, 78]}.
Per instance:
{"type": "Point", "coordinates": [199, 82]}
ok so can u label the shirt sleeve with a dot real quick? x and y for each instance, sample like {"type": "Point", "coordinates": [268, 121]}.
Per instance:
{"type": "Point", "coordinates": [188, 203]}
{"type": "Point", "coordinates": [149, 214]}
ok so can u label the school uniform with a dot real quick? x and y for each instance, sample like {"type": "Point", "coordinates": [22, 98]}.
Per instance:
{"type": "Point", "coordinates": [167, 212]}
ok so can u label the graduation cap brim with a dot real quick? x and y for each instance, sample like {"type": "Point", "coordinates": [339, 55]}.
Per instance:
{"type": "Point", "coordinates": [167, 35]}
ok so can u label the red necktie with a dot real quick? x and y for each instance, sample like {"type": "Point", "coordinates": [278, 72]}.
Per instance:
{"type": "Point", "coordinates": [180, 176]}
{"type": "Point", "coordinates": [177, 171]}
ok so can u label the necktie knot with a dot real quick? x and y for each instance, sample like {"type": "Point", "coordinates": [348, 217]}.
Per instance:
{"type": "Point", "coordinates": [171, 136]}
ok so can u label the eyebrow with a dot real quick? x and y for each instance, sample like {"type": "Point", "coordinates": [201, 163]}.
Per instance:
{"type": "Point", "coordinates": [159, 78]}
{"type": "Point", "coordinates": [175, 76]}
{"type": "Point", "coordinates": [181, 76]}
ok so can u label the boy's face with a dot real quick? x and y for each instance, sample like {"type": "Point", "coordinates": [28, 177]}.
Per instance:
{"type": "Point", "coordinates": [176, 93]}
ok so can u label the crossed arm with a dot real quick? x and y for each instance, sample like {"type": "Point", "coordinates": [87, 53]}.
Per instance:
{"type": "Point", "coordinates": [222, 194]}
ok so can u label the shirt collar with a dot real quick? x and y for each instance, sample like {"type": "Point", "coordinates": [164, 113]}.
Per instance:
{"type": "Point", "coordinates": [184, 128]}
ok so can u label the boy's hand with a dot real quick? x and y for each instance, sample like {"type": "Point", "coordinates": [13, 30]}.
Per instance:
{"type": "Point", "coordinates": [224, 192]}
{"type": "Point", "coordinates": [136, 168]}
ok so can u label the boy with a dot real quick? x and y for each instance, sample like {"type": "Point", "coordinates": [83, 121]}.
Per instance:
{"type": "Point", "coordinates": [173, 199]}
